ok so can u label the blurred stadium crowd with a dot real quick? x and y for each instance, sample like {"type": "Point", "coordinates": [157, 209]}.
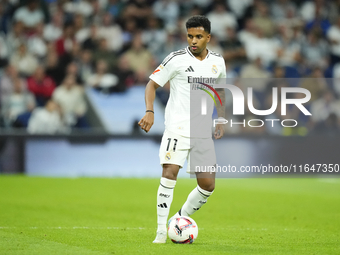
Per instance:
{"type": "Point", "coordinates": [51, 50]}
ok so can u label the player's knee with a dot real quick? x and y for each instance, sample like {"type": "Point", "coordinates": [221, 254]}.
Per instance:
{"type": "Point", "coordinates": [208, 186]}
{"type": "Point", "coordinates": [211, 187]}
{"type": "Point", "coordinates": [169, 172]}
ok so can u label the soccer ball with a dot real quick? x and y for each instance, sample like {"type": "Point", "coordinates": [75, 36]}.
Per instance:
{"type": "Point", "coordinates": [182, 229]}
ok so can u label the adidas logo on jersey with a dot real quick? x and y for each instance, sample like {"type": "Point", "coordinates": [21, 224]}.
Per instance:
{"type": "Point", "coordinates": [190, 69]}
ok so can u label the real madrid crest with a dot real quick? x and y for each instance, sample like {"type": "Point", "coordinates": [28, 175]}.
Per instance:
{"type": "Point", "coordinates": [168, 156]}
{"type": "Point", "coordinates": [214, 69]}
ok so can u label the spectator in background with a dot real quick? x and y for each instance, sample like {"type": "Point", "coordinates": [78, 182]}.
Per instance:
{"type": "Point", "coordinates": [138, 10]}
{"type": "Point", "coordinates": [24, 61]}
{"type": "Point", "coordinates": [172, 43]}
{"type": "Point", "coordinates": [334, 10]}
{"type": "Point", "coordinates": [249, 73]}
{"type": "Point", "coordinates": [125, 75]}
{"type": "Point", "coordinates": [254, 70]}
{"type": "Point", "coordinates": [7, 82]}
{"type": "Point", "coordinates": [53, 69]}
{"type": "Point", "coordinates": [36, 43]}
{"type": "Point", "coordinates": [103, 53]}
{"type": "Point", "coordinates": [319, 24]}
{"type": "Point", "coordinates": [308, 9]}
{"type": "Point", "coordinates": [85, 65]}
{"type": "Point", "coordinates": [65, 43]}
{"type": "Point", "coordinates": [265, 48]}
{"type": "Point", "coordinates": [46, 120]}
{"type": "Point", "coordinates": [130, 28]}
{"type": "Point", "coordinates": [315, 51]}
{"type": "Point", "coordinates": [112, 32]}
{"type": "Point", "coordinates": [91, 42]}
{"type": "Point", "coordinates": [315, 83]}
{"type": "Point", "coordinates": [238, 7]}
{"type": "Point", "coordinates": [289, 49]}
{"type": "Point", "coordinates": [18, 105]}
{"type": "Point", "coordinates": [4, 51]}
{"type": "Point", "coordinates": [99, 8]}
{"type": "Point", "coordinates": [220, 20]}
{"type": "Point", "coordinates": [54, 30]}
{"type": "Point", "coordinates": [290, 20]}
{"type": "Point", "coordinates": [192, 11]}
{"type": "Point", "coordinates": [70, 97]}
{"type": "Point", "coordinates": [3, 17]}
{"type": "Point", "coordinates": [15, 37]}
{"type": "Point", "coordinates": [72, 69]}
{"type": "Point", "coordinates": [248, 32]}
{"type": "Point", "coordinates": [102, 80]}
{"type": "Point", "coordinates": [140, 59]}
{"type": "Point", "coordinates": [278, 80]}
{"type": "Point", "coordinates": [168, 11]}
{"type": "Point", "coordinates": [72, 55]}
{"type": "Point", "coordinates": [333, 36]}
{"type": "Point", "coordinates": [214, 45]}
{"type": "Point", "coordinates": [115, 7]}
{"type": "Point", "coordinates": [263, 21]}
{"type": "Point", "coordinates": [78, 7]}
{"type": "Point", "coordinates": [80, 30]}
{"type": "Point", "coordinates": [336, 80]}
{"type": "Point", "coordinates": [203, 4]}
{"type": "Point", "coordinates": [234, 51]}
{"type": "Point", "coordinates": [30, 15]}
{"type": "Point", "coordinates": [41, 86]}
{"type": "Point", "coordinates": [280, 9]}
{"type": "Point", "coordinates": [154, 36]}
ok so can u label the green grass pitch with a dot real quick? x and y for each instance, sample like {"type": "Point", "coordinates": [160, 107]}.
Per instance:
{"type": "Point", "coordinates": [118, 216]}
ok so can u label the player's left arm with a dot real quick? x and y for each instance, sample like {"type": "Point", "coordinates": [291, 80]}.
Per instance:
{"type": "Point", "coordinates": [219, 129]}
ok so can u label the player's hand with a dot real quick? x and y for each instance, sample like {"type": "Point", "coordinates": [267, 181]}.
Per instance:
{"type": "Point", "coordinates": [147, 121]}
{"type": "Point", "coordinates": [219, 131]}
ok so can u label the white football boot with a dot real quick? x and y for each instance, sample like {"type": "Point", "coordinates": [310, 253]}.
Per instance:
{"type": "Point", "coordinates": [161, 237]}
{"type": "Point", "coordinates": [175, 216]}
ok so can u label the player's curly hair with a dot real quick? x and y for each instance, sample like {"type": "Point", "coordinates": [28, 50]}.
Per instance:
{"type": "Point", "coordinates": [199, 21]}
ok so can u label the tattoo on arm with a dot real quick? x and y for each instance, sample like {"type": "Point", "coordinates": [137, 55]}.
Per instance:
{"type": "Point", "coordinates": [220, 109]}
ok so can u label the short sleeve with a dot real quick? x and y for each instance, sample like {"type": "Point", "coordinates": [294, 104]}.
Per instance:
{"type": "Point", "coordinates": [164, 72]}
{"type": "Point", "coordinates": [223, 73]}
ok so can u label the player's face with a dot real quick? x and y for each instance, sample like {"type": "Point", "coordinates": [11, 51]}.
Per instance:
{"type": "Point", "coordinates": [197, 39]}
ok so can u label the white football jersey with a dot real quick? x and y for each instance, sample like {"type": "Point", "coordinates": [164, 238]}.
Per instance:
{"type": "Point", "coordinates": [185, 71]}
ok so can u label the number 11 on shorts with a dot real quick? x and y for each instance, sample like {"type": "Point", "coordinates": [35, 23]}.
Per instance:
{"type": "Point", "coordinates": [175, 143]}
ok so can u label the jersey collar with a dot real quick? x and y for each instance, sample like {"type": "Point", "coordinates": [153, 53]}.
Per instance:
{"type": "Point", "coordinates": [189, 52]}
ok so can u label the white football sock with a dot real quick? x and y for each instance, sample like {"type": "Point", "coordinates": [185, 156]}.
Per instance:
{"type": "Point", "coordinates": [164, 200]}
{"type": "Point", "coordinates": [195, 200]}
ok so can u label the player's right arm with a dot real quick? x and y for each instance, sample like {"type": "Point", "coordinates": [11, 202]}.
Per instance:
{"type": "Point", "coordinates": [150, 93]}
{"type": "Point", "coordinates": [163, 73]}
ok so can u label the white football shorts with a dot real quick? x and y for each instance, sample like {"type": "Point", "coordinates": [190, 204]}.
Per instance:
{"type": "Point", "coordinates": [175, 149]}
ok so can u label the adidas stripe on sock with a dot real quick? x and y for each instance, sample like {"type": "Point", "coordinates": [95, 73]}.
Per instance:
{"type": "Point", "coordinates": [196, 199]}
{"type": "Point", "coordinates": [164, 200]}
